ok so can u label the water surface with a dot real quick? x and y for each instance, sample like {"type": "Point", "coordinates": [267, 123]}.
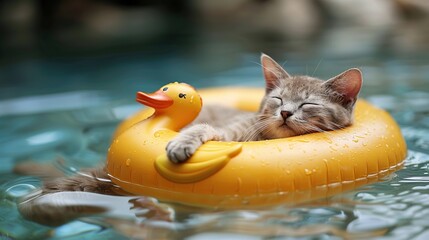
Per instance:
{"type": "Point", "coordinates": [68, 128]}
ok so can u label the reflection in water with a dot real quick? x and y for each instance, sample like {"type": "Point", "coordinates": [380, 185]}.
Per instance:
{"type": "Point", "coordinates": [396, 208]}
{"type": "Point", "coordinates": [58, 208]}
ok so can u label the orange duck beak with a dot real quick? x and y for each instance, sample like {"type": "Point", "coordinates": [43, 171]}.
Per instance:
{"type": "Point", "coordinates": [157, 100]}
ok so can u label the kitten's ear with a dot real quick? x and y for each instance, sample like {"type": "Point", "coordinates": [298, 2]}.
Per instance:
{"type": "Point", "coordinates": [272, 72]}
{"type": "Point", "coordinates": [348, 84]}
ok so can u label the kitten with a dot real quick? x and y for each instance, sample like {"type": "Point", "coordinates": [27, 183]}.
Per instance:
{"type": "Point", "coordinates": [292, 105]}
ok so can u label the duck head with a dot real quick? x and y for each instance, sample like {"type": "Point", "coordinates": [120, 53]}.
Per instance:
{"type": "Point", "coordinates": [179, 102]}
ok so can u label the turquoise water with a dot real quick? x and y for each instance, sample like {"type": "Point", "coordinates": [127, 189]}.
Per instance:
{"type": "Point", "coordinates": [66, 118]}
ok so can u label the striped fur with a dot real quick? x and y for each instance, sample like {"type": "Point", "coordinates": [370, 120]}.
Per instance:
{"type": "Point", "coordinates": [293, 105]}
{"type": "Point", "coordinates": [311, 105]}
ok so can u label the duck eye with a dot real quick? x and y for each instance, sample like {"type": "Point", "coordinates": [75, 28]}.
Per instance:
{"type": "Point", "coordinates": [182, 95]}
{"type": "Point", "coordinates": [165, 89]}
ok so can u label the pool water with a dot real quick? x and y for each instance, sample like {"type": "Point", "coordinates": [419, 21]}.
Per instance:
{"type": "Point", "coordinates": [67, 127]}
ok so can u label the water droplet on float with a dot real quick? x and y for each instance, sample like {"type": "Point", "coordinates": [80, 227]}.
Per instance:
{"type": "Point", "coordinates": [127, 162]}
{"type": "Point", "coordinates": [157, 134]}
{"type": "Point", "coordinates": [308, 172]}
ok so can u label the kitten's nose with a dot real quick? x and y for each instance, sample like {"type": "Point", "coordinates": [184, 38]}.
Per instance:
{"type": "Point", "coordinates": [286, 114]}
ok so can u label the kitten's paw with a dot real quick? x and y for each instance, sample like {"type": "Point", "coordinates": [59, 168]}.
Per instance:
{"type": "Point", "coordinates": [179, 151]}
{"type": "Point", "coordinates": [188, 141]}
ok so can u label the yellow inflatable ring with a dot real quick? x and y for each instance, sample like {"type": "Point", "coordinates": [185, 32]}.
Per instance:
{"type": "Point", "coordinates": [253, 174]}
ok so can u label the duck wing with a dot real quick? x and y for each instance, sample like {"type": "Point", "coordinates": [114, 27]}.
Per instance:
{"type": "Point", "coordinates": [207, 160]}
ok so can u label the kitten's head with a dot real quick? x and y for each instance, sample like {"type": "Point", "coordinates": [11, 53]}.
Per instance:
{"type": "Point", "coordinates": [295, 105]}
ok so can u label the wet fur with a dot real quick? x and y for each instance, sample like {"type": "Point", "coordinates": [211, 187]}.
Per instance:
{"type": "Point", "coordinates": [91, 180]}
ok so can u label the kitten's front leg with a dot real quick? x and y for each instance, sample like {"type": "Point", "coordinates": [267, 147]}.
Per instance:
{"type": "Point", "coordinates": [189, 140]}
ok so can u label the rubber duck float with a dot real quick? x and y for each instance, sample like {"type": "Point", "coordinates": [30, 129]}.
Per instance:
{"type": "Point", "coordinates": [252, 174]}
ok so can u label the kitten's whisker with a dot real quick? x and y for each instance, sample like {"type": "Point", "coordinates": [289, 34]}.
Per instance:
{"type": "Point", "coordinates": [320, 61]}
{"type": "Point", "coordinates": [277, 74]}
{"type": "Point", "coordinates": [256, 129]}
{"type": "Point", "coordinates": [305, 127]}
{"type": "Point", "coordinates": [269, 130]}
{"type": "Point", "coordinates": [261, 125]}
{"type": "Point", "coordinates": [317, 129]}
{"type": "Point", "coordinates": [283, 63]}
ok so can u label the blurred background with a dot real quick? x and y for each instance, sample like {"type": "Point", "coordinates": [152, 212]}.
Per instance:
{"type": "Point", "coordinates": [123, 46]}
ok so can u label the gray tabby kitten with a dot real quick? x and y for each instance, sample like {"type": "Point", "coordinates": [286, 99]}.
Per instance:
{"type": "Point", "coordinates": [292, 105]}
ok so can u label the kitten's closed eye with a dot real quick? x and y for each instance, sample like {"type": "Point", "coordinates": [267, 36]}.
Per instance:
{"type": "Point", "coordinates": [309, 104]}
{"type": "Point", "coordinates": [279, 99]}
{"type": "Point", "coordinates": [292, 105]}
{"type": "Point", "coordinates": [274, 102]}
